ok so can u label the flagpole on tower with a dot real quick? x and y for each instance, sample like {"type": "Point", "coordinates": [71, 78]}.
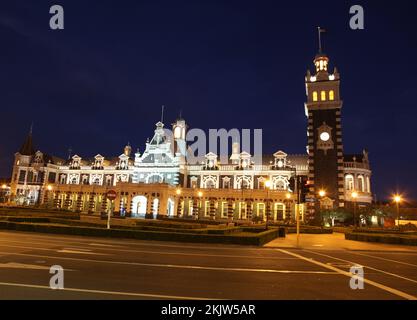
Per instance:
{"type": "Point", "coordinates": [162, 114]}
{"type": "Point", "coordinates": [320, 30]}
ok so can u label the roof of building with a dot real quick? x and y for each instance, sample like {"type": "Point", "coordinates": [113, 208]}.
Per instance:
{"type": "Point", "coordinates": [27, 148]}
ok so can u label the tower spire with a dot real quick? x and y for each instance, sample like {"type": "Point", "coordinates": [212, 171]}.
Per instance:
{"type": "Point", "coordinates": [27, 148]}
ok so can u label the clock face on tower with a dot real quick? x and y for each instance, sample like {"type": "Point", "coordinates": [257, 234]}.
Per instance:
{"type": "Point", "coordinates": [325, 141]}
{"type": "Point", "coordinates": [324, 136]}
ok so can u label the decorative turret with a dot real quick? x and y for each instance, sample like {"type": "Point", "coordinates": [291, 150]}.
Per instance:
{"type": "Point", "coordinates": [127, 150]}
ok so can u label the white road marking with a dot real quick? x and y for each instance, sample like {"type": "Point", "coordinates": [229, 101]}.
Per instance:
{"type": "Point", "coordinates": [15, 265]}
{"type": "Point", "coordinates": [174, 266]}
{"type": "Point", "coordinates": [371, 268]}
{"type": "Point", "coordinates": [103, 245]}
{"type": "Point", "coordinates": [117, 293]}
{"type": "Point", "coordinates": [82, 252]}
{"type": "Point", "coordinates": [385, 259]}
{"type": "Point", "coordinates": [349, 275]}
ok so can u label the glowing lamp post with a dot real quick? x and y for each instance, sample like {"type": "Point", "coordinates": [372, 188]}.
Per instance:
{"type": "Point", "coordinates": [178, 193]}
{"type": "Point", "coordinates": [354, 197]}
{"type": "Point", "coordinates": [322, 194]}
{"type": "Point", "coordinates": [398, 199]}
{"type": "Point", "coordinates": [268, 186]}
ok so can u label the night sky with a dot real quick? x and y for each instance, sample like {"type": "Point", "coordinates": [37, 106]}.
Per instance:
{"type": "Point", "coordinates": [100, 83]}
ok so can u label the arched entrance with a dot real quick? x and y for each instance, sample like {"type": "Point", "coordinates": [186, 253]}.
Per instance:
{"type": "Point", "coordinates": [155, 208]}
{"type": "Point", "coordinates": [139, 204]}
{"type": "Point", "coordinates": [171, 207]}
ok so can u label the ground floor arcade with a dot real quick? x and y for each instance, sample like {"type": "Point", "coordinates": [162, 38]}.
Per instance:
{"type": "Point", "coordinates": [147, 200]}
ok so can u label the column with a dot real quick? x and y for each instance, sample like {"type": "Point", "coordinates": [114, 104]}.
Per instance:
{"type": "Point", "coordinates": [79, 202]}
{"type": "Point", "coordinates": [196, 210]}
{"type": "Point", "coordinates": [212, 208]}
{"type": "Point", "coordinates": [91, 205]}
{"type": "Point", "coordinates": [249, 209]}
{"type": "Point", "coordinates": [230, 211]}
{"type": "Point", "coordinates": [57, 200]}
{"type": "Point", "coordinates": [179, 206]}
{"type": "Point", "coordinates": [67, 201]}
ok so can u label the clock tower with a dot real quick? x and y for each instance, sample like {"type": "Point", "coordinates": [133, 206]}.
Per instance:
{"type": "Point", "coordinates": [325, 144]}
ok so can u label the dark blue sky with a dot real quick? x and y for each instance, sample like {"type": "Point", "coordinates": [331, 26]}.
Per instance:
{"type": "Point", "coordinates": [227, 64]}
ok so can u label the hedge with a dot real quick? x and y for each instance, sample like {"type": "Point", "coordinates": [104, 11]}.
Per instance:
{"type": "Point", "coordinates": [382, 238]}
{"type": "Point", "coordinates": [253, 240]}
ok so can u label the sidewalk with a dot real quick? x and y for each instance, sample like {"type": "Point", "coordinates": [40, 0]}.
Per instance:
{"type": "Point", "coordinates": [335, 241]}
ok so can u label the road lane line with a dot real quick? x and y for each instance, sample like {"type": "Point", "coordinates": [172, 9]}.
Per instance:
{"type": "Point", "coordinates": [349, 275]}
{"type": "Point", "coordinates": [157, 252]}
{"type": "Point", "coordinates": [132, 294]}
{"type": "Point", "coordinates": [174, 266]}
{"type": "Point", "coordinates": [81, 252]}
{"type": "Point", "coordinates": [371, 268]}
{"type": "Point", "coordinates": [385, 259]}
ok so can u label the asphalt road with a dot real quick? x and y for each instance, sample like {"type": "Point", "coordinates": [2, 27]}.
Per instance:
{"type": "Point", "coordinates": [98, 268]}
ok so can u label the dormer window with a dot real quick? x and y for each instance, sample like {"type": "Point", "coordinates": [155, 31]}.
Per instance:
{"type": "Point", "coordinates": [38, 158]}
{"type": "Point", "coordinates": [98, 162]}
{"type": "Point", "coordinates": [211, 161]}
{"type": "Point", "coordinates": [76, 162]}
{"type": "Point", "coordinates": [245, 161]}
{"type": "Point", "coordinates": [280, 160]}
{"type": "Point", "coordinates": [123, 163]}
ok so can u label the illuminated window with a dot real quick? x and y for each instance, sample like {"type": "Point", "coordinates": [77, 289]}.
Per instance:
{"type": "Point", "coordinates": [323, 96]}
{"type": "Point", "coordinates": [331, 95]}
{"type": "Point", "coordinates": [349, 183]}
{"type": "Point", "coordinates": [315, 96]}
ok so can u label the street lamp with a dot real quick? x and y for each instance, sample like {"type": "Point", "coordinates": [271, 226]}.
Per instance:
{"type": "Point", "coordinates": [322, 194]}
{"type": "Point", "coordinates": [178, 198]}
{"type": "Point", "coordinates": [354, 197]}
{"type": "Point", "coordinates": [398, 199]}
{"type": "Point", "coordinates": [268, 185]}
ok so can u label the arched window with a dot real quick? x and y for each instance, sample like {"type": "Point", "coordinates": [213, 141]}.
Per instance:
{"type": "Point", "coordinates": [323, 96]}
{"type": "Point", "coordinates": [74, 181]}
{"type": "Point", "coordinates": [210, 184]}
{"type": "Point", "coordinates": [368, 184]}
{"type": "Point", "coordinates": [96, 181]}
{"type": "Point", "coordinates": [315, 96]}
{"type": "Point", "coordinates": [349, 183]}
{"type": "Point", "coordinates": [331, 95]}
{"type": "Point", "coordinates": [244, 184]}
{"type": "Point", "coordinates": [361, 184]}
{"type": "Point", "coordinates": [280, 184]}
